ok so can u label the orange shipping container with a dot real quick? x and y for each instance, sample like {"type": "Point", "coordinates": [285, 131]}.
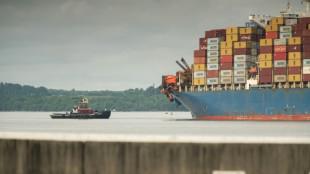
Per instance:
{"type": "Point", "coordinates": [226, 52]}
{"type": "Point", "coordinates": [294, 63]}
{"type": "Point", "coordinates": [266, 42]}
{"type": "Point", "coordinates": [200, 60]}
{"type": "Point", "coordinates": [294, 78]}
{"type": "Point", "coordinates": [232, 37]}
{"type": "Point", "coordinates": [294, 55]}
{"type": "Point", "coordinates": [266, 57]}
{"type": "Point", "coordinates": [278, 20]}
{"type": "Point", "coordinates": [226, 44]}
{"type": "Point", "coordinates": [294, 40]}
{"type": "Point", "coordinates": [232, 30]}
{"type": "Point", "coordinates": [280, 49]}
{"type": "Point", "coordinates": [272, 28]}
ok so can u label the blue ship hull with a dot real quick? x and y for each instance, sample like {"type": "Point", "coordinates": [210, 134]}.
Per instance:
{"type": "Point", "coordinates": [254, 104]}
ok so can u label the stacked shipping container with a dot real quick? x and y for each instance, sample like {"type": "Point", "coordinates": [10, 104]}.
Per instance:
{"type": "Point", "coordinates": [306, 49]}
{"type": "Point", "coordinates": [284, 53]}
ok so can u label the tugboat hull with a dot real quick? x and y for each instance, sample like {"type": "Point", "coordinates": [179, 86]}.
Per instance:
{"type": "Point", "coordinates": [96, 115]}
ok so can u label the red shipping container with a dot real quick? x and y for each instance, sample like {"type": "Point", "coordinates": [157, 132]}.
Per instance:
{"type": "Point", "coordinates": [294, 70]}
{"type": "Point", "coordinates": [294, 48]}
{"type": "Point", "coordinates": [306, 40]}
{"type": "Point", "coordinates": [298, 34]}
{"type": "Point", "coordinates": [226, 59]}
{"type": "Point", "coordinates": [200, 53]}
{"type": "Point", "coordinates": [305, 20]}
{"type": "Point", "coordinates": [266, 49]}
{"type": "Point", "coordinates": [306, 77]}
{"type": "Point", "coordinates": [215, 33]}
{"type": "Point", "coordinates": [300, 27]}
{"type": "Point", "coordinates": [203, 47]}
{"type": "Point", "coordinates": [265, 79]}
{"type": "Point", "coordinates": [200, 60]}
{"type": "Point", "coordinates": [242, 51]}
{"type": "Point", "coordinates": [306, 33]}
{"type": "Point", "coordinates": [279, 71]}
{"type": "Point", "coordinates": [247, 37]}
{"type": "Point", "coordinates": [306, 55]}
{"type": "Point", "coordinates": [280, 49]}
{"type": "Point", "coordinates": [265, 71]}
{"type": "Point", "coordinates": [306, 47]}
{"type": "Point", "coordinates": [213, 73]}
{"type": "Point", "coordinates": [226, 66]}
{"type": "Point", "coordinates": [272, 35]}
{"type": "Point", "coordinates": [280, 56]}
{"type": "Point", "coordinates": [203, 43]}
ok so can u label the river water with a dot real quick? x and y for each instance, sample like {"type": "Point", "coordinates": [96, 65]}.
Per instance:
{"type": "Point", "coordinates": [152, 123]}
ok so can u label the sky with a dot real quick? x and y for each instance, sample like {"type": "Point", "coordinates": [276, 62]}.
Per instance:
{"type": "Point", "coordinates": [110, 44]}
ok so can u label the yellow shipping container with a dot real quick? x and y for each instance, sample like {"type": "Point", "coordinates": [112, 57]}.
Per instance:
{"type": "Point", "coordinates": [266, 57]}
{"type": "Point", "coordinates": [199, 81]}
{"type": "Point", "coordinates": [199, 67]}
{"type": "Point", "coordinates": [226, 45]}
{"type": "Point", "coordinates": [232, 30]}
{"type": "Point", "coordinates": [294, 55]}
{"type": "Point", "coordinates": [232, 37]}
{"type": "Point", "coordinates": [294, 63]}
{"type": "Point", "coordinates": [227, 52]}
{"type": "Point", "coordinates": [278, 20]}
{"type": "Point", "coordinates": [294, 40]}
{"type": "Point", "coordinates": [265, 64]}
{"type": "Point", "coordinates": [243, 45]}
{"type": "Point", "coordinates": [272, 28]}
{"type": "Point", "coordinates": [266, 42]}
{"type": "Point", "coordinates": [294, 78]}
{"type": "Point", "coordinates": [248, 30]}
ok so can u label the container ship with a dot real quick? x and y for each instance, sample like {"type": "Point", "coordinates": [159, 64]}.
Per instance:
{"type": "Point", "coordinates": [259, 71]}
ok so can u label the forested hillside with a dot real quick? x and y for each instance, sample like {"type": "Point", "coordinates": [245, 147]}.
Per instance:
{"type": "Point", "coordinates": [15, 97]}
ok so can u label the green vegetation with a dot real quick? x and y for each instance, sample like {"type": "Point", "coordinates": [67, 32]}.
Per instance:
{"type": "Point", "coordinates": [15, 97]}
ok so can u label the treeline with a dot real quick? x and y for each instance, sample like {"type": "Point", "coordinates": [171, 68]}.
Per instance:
{"type": "Point", "coordinates": [15, 97]}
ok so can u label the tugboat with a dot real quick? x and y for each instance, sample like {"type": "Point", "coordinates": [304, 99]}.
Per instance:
{"type": "Point", "coordinates": [82, 112]}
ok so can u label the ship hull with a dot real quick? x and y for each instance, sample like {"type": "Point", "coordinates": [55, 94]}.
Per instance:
{"type": "Point", "coordinates": [98, 115]}
{"type": "Point", "coordinates": [255, 104]}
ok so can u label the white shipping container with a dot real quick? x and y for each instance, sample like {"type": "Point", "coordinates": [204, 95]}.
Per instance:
{"type": "Point", "coordinates": [226, 73]}
{"type": "Point", "coordinates": [286, 35]}
{"type": "Point", "coordinates": [291, 21]}
{"type": "Point", "coordinates": [279, 78]}
{"type": "Point", "coordinates": [213, 53]}
{"type": "Point", "coordinates": [242, 58]}
{"type": "Point", "coordinates": [213, 60]}
{"type": "Point", "coordinates": [240, 72]}
{"type": "Point", "coordinates": [306, 70]}
{"type": "Point", "coordinates": [226, 80]}
{"type": "Point", "coordinates": [280, 63]}
{"type": "Point", "coordinates": [306, 62]}
{"type": "Point", "coordinates": [199, 74]}
{"type": "Point", "coordinates": [242, 65]}
{"type": "Point", "coordinates": [215, 41]}
{"type": "Point", "coordinates": [212, 66]}
{"type": "Point", "coordinates": [213, 47]}
{"type": "Point", "coordinates": [253, 52]}
{"type": "Point", "coordinates": [239, 80]}
{"type": "Point", "coordinates": [212, 81]}
{"type": "Point", "coordinates": [286, 29]}
{"type": "Point", "coordinates": [282, 41]}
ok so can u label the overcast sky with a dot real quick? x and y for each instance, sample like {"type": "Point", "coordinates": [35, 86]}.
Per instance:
{"type": "Point", "coordinates": [110, 44]}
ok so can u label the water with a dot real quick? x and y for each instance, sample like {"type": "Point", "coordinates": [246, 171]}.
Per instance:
{"type": "Point", "coordinates": [151, 123]}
